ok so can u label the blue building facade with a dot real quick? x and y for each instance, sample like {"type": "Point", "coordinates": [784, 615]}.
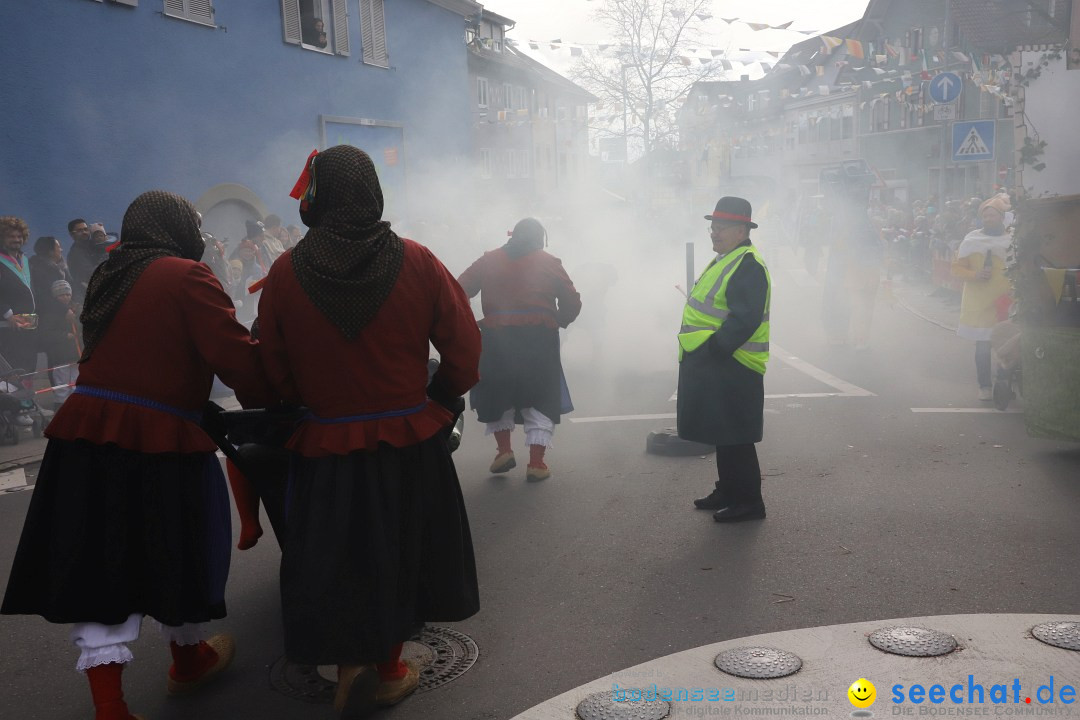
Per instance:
{"type": "Point", "coordinates": [222, 100]}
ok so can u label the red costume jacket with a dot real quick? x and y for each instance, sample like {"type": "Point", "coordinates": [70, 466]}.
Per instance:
{"type": "Point", "coordinates": [383, 370]}
{"type": "Point", "coordinates": [523, 290]}
{"type": "Point", "coordinates": [174, 332]}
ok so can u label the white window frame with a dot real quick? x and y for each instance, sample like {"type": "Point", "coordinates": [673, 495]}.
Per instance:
{"type": "Point", "coordinates": [375, 49]}
{"type": "Point", "coordinates": [508, 96]}
{"type": "Point", "coordinates": [482, 98]}
{"type": "Point", "coordinates": [200, 12]}
{"type": "Point", "coordinates": [335, 22]}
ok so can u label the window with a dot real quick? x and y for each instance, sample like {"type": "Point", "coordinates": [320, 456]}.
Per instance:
{"type": "Point", "coordinates": [482, 92]}
{"type": "Point", "coordinates": [198, 11]}
{"type": "Point", "coordinates": [508, 92]}
{"type": "Point", "coordinates": [485, 163]}
{"type": "Point", "coordinates": [320, 25]}
{"type": "Point", "coordinates": [373, 33]}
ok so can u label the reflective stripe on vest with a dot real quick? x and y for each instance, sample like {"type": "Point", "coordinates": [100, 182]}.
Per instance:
{"type": "Point", "coordinates": [706, 311]}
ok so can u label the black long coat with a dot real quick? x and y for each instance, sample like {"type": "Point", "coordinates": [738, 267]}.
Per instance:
{"type": "Point", "coordinates": [721, 401]}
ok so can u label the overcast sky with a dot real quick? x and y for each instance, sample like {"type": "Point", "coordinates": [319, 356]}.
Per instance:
{"type": "Point", "coordinates": [572, 22]}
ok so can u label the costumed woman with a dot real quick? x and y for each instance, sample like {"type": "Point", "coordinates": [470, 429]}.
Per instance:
{"type": "Point", "coordinates": [130, 513]}
{"type": "Point", "coordinates": [377, 537]}
{"type": "Point", "coordinates": [980, 261]}
{"type": "Point", "coordinates": [526, 296]}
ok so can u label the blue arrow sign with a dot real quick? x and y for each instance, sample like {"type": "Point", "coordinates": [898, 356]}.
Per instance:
{"type": "Point", "coordinates": [973, 141]}
{"type": "Point", "coordinates": [946, 87]}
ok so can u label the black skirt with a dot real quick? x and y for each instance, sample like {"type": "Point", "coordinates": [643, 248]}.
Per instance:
{"type": "Point", "coordinates": [112, 532]}
{"type": "Point", "coordinates": [375, 542]}
{"type": "Point", "coordinates": [520, 367]}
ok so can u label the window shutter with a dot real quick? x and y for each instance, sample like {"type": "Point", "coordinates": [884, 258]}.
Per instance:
{"type": "Point", "coordinates": [341, 27]}
{"type": "Point", "coordinates": [373, 32]}
{"type": "Point", "coordinates": [201, 11]}
{"type": "Point", "coordinates": [290, 20]}
{"type": "Point", "coordinates": [367, 35]}
{"type": "Point", "coordinates": [381, 57]}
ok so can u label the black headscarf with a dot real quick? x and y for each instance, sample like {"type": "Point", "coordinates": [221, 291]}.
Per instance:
{"type": "Point", "coordinates": [350, 259]}
{"type": "Point", "coordinates": [528, 236]}
{"type": "Point", "coordinates": [157, 224]}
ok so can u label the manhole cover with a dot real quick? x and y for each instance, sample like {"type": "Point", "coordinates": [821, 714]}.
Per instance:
{"type": "Point", "coordinates": [630, 705]}
{"type": "Point", "coordinates": [441, 653]}
{"type": "Point", "coordinates": [758, 662]}
{"type": "Point", "coordinates": [1059, 634]}
{"type": "Point", "coordinates": [913, 641]}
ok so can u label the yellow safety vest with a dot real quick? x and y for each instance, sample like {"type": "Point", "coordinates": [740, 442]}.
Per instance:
{"type": "Point", "coordinates": [707, 308]}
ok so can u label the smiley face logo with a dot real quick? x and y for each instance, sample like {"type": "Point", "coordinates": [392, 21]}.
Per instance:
{"type": "Point", "coordinates": [862, 693]}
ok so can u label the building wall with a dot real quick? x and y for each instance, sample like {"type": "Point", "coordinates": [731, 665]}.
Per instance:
{"type": "Point", "coordinates": [110, 101]}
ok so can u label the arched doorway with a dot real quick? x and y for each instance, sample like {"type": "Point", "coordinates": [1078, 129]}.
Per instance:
{"type": "Point", "coordinates": [226, 208]}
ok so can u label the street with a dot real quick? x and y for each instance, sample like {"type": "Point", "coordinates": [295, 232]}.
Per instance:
{"type": "Point", "coordinates": [885, 499]}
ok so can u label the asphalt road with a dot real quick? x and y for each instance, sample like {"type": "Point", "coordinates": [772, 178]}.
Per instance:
{"type": "Point", "coordinates": [875, 511]}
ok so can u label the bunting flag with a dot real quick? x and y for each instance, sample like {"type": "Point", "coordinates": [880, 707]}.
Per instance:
{"type": "Point", "coordinates": [765, 67]}
{"type": "Point", "coordinates": [774, 53]}
{"type": "Point", "coordinates": [891, 51]}
{"type": "Point", "coordinates": [961, 56]}
{"type": "Point", "coordinates": [820, 69]}
{"type": "Point", "coordinates": [575, 52]}
{"type": "Point", "coordinates": [556, 47]}
{"type": "Point", "coordinates": [757, 26]}
{"type": "Point", "coordinates": [534, 46]}
{"type": "Point", "coordinates": [603, 48]}
{"type": "Point", "coordinates": [729, 20]}
{"type": "Point", "coordinates": [685, 61]}
{"type": "Point", "coordinates": [717, 52]}
{"type": "Point", "coordinates": [785, 26]}
{"type": "Point", "coordinates": [831, 43]}
{"type": "Point", "coordinates": [702, 16]}
{"type": "Point", "coordinates": [704, 61]}
{"type": "Point", "coordinates": [854, 49]}
{"type": "Point", "coordinates": [726, 64]}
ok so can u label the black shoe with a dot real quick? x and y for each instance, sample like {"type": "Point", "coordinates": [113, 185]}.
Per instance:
{"type": "Point", "coordinates": [713, 501]}
{"type": "Point", "coordinates": [741, 511]}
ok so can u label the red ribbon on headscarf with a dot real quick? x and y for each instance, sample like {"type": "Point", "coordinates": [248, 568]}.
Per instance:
{"type": "Point", "coordinates": [302, 189]}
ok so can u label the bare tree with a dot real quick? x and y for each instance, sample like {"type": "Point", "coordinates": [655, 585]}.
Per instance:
{"type": "Point", "coordinates": [647, 70]}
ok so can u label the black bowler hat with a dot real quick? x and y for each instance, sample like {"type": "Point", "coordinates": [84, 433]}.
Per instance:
{"type": "Point", "coordinates": [732, 209]}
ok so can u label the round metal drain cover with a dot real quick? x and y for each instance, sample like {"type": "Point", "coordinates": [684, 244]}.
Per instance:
{"type": "Point", "coordinates": [913, 641]}
{"type": "Point", "coordinates": [441, 653]}
{"type": "Point", "coordinates": [1060, 634]}
{"type": "Point", "coordinates": [631, 705]}
{"type": "Point", "coordinates": [758, 662]}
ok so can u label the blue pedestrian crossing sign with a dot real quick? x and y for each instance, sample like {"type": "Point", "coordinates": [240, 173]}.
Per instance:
{"type": "Point", "coordinates": [945, 87]}
{"type": "Point", "coordinates": [973, 141]}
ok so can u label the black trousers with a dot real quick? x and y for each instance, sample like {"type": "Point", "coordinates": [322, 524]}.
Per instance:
{"type": "Point", "coordinates": [738, 475]}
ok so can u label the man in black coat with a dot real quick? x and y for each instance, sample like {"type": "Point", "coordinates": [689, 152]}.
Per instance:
{"type": "Point", "coordinates": [84, 256]}
{"type": "Point", "coordinates": [724, 348]}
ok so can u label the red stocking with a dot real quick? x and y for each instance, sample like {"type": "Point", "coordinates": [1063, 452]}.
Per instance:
{"type": "Point", "coordinates": [247, 505]}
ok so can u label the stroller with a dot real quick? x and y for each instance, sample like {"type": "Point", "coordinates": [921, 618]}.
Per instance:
{"type": "Point", "coordinates": [18, 410]}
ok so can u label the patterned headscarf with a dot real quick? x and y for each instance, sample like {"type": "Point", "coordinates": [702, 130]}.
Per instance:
{"type": "Point", "coordinates": [350, 259]}
{"type": "Point", "coordinates": [157, 224]}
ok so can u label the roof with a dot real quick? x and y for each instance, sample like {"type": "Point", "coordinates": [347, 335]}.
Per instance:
{"type": "Point", "coordinates": [512, 58]}
{"type": "Point", "coordinates": [465, 8]}
{"type": "Point", "coordinates": [1004, 25]}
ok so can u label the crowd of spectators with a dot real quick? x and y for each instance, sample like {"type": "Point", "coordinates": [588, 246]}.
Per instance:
{"type": "Point", "coordinates": [41, 294]}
